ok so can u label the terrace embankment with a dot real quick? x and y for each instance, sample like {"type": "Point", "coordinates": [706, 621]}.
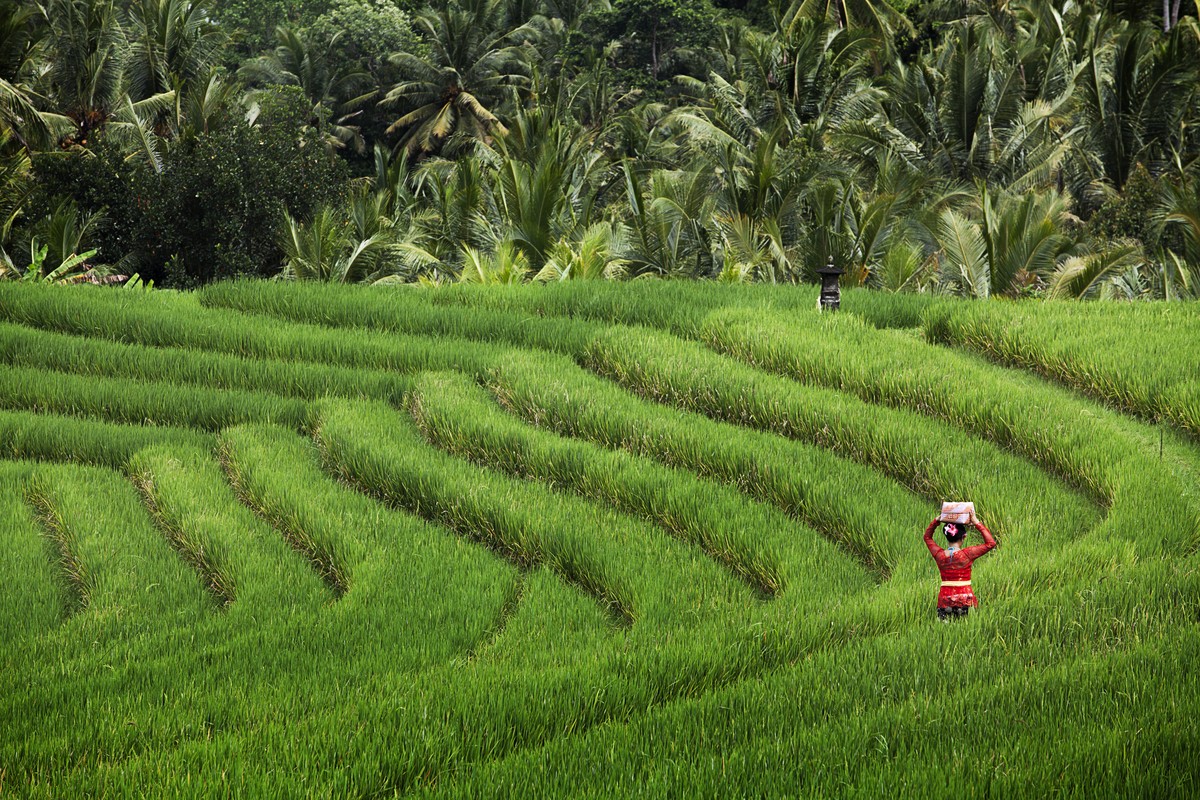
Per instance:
{"type": "Point", "coordinates": [576, 539]}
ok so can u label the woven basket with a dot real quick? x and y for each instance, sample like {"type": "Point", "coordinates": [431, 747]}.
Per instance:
{"type": "Point", "coordinates": [957, 512]}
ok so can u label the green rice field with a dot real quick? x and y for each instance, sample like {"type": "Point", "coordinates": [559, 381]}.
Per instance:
{"type": "Point", "coordinates": [648, 539]}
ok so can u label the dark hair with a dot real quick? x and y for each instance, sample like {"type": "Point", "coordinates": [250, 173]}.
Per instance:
{"type": "Point", "coordinates": [961, 527]}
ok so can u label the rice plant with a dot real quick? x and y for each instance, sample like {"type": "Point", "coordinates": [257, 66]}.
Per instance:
{"type": "Point", "coordinates": [1138, 358]}
{"type": "Point", "coordinates": [583, 539]}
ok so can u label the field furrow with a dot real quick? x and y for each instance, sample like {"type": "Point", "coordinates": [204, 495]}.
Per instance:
{"type": "Point", "coordinates": [399, 313]}
{"type": "Point", "coordinates": [640, 572]}
{"type": "Point", "coordinates": [1140, 358]}
{"type": "Point", "coordinates": [804, 481]}
{"type": "Point", "coordinates": [762, 546]}
{"type": "Point", "coordinates": [438, 596]}
{"type": "Point", "coordinates": [120, 569]}
{"type": "Point", "coordinates": [148, 403]}
{"type": "Point", "coordinates": [869, 729]}
{"type": "Point", "coordinates": [1112, 458]}
{"type": "Point", "coordinates": [930, 457]}
{"type": "Point", "coordinates": [31, 601]}
{"type": "Point", "coordinates": [80, 355]}
{"type": "Point", "coordinates": [51, 437]}
{"type": "Point", "coordinates": [180, 321]}
{"type": "Point", "coordinates": [243, 560]}
{"type": "Point", "coordinates": [554, 623]}
{"type": "Point", "coordinates": [302, 540]}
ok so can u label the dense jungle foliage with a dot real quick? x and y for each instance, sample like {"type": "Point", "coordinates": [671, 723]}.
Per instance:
{"type": "Point", "coordinates": [976, 148]}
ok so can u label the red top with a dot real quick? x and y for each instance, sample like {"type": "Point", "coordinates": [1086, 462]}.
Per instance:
{"type": "Point", "coordinates": [956, 566]}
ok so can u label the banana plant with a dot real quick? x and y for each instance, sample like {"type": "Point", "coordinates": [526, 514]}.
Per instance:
{"type": "Point", "coordinates": [65, 272]}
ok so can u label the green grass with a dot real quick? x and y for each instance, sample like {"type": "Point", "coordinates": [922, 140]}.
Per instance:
{"type": "Point", "coordinates": [1138, 357]}
{"type": "Point", "coordinates": [636, 569]}
{"type": "Point", "coordinates": [179, 321]}
{"type": "Point", "coordinates": [114, 562]}
{"type": "Point", "coordinates": [240, 559]}
{"type": "Point", "coordinates": [613, 540]}
{"type": "Point", "coordinates": [30, 602]}
{"type": "Point", "coordinates": [53, 437]}
{"type": "Point", "coordinates": [44, 350]}
{"type": "Point", "coordinates": [441, 596]}
{"type": "Point", "coordinates": [932, 458]}
{"type": "Point", "coordinates": [804, 482]}
{"type": "Point", "coordinates": [1109, 457]}
{"type": "Point", "coordinates": [149, 403]}
{"type": "Point", "coordinates": [760, 545]}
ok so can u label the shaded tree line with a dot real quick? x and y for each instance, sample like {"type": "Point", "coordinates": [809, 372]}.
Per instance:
{"type": "Point", "coordinates": [971, 147]}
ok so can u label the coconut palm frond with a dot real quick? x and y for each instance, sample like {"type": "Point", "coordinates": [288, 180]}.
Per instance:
{"type": "Point", "coordinates": [964, 267]}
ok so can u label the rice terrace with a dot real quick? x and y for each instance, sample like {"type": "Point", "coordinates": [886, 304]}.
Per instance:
{"type": "Point", "coordinates": [270, 539]}
{"type": "Point", "coordinates": [599, 398]}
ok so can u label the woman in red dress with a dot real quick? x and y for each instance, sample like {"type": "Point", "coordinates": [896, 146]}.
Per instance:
{"type": "Point", "coordinates": [954, 563]}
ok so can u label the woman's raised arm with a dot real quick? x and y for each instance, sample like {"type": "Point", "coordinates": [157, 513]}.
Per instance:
{"type": "Point", "coordinates": [989, 541]}
{"type": "Point", "coordinates": [933, 548]}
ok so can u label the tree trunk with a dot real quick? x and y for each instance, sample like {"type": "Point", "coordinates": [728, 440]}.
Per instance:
{"type": "Point", "coordinates": [654, 50]}
{"type": "Point", "coordinates": [1175, 13]}
{"type": "Point", "coordinates": [1166, 16]}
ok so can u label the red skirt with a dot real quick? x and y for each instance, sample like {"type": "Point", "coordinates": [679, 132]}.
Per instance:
{"type": "Point", "coordinates": [955, 596]}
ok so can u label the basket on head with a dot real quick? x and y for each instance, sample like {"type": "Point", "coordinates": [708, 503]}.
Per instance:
{"type": "Point", "coordinates": [961, 513]}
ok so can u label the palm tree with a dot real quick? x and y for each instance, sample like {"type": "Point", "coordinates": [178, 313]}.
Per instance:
{"type": "Point", "coordinates": [873, 19]}
{"type": "Point", "coordinates": [545, 182]}
{"type": "Point", "coordinates": [87, 65]}
{"type": "Point", "coordinates": [901, 269]}
{"type": "Point", "coordinates": [473, 58]}
{"type": "Point", "coordinates": [970, 113]}
{"type": "Point", "coordinates": [1099, 274]}
{"type": "Point", "coordinates": [1179, 210]}
{"type": "Point", "coordinates": [66, 231]}
{"type": "Point", "coordinates": [173, 44]}
{"type": "Point", "coordinates": [295, 61]}
{"type": "Point", "coordinates": [204, 106]}
{"type": "Point", "coordinates": [1137, 96]}
{"type": "Point", "coordinates": [340, 248]}
{"type": "Point", "coordinates": [21, 36]}
{"type": "Point", "coordinates": [571, 11]}
{"type": "Point", "coordinates": [874, 16]}
{"type": "Point", "coordinates": [808, 76]}
{"type": "Point", "coordinates": [15, 188]}
{"type": "Point", "coordinates": [506, 265]}
{"type": "Point", "coordinates": [593, 257]}
{"type": "Point", "coordinates": [1017, 241]}
{"type": "Point", "coordinates": [668, 233]}
{"type": "Point", "coordinates": [452, 207]}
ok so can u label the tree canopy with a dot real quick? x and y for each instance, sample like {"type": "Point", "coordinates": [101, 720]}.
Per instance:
{"type": "Point", "coordinates": [974, 147]}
